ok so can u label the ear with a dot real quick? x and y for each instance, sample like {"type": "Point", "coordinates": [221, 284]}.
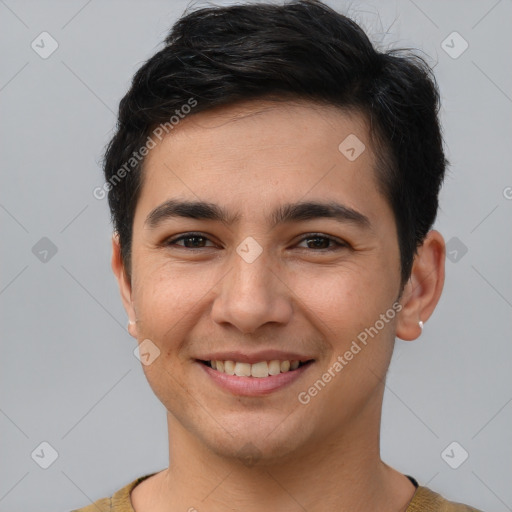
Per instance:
{"type": "Point", "coordinates": [423, 289]}
{"type": "Point", "coordinates": [124, 284]}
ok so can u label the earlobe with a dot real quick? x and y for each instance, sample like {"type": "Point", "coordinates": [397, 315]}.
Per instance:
{"type": "Point", "coordinates": [124, 284]}
{"type": "Point", "coordinates": [423, 290]}
{"type": "Point", "coordinates": [132, 328]}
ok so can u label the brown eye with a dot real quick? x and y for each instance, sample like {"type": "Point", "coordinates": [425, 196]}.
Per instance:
{"type": "Point", "coordinates": [323, 242]}
{"type": "Point", "coordinates": [190, 241]}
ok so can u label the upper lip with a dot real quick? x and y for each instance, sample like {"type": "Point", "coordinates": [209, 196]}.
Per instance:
{"type": "Point", "coordinates": [255, 357]}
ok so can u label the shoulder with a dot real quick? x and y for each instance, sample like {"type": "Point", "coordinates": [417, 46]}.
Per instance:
{"type": "Point", "coordinates": [101, 505]}
{"type": "Point", "coordinates": [119, 502]}
{"type": "Point", "coordinates": [426, 500]}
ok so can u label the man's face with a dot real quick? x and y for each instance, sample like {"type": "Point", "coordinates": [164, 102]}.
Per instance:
{"type": "Point", "coordinates": [265, 284]}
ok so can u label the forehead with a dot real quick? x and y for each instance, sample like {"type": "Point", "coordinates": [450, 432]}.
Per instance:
{"type": "Point", "coordinates": [258, 153]}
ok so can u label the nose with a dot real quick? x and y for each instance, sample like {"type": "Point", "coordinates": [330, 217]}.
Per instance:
{"type": "Point", "coordinates": [252, 294]}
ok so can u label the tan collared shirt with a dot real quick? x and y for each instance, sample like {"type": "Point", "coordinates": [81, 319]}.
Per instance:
{"type": "Point", "coordinates": [424, 500]}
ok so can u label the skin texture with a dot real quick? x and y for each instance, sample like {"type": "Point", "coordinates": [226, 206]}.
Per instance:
{"type": "Point", "coordinates": [297, 296]}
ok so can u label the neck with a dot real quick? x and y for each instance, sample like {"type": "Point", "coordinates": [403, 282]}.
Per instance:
{"type": "Point", "coordinates": [343, 472]}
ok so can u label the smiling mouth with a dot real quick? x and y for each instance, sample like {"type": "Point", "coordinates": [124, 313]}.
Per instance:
{"type": "Point", "coordinates": [260, 369]}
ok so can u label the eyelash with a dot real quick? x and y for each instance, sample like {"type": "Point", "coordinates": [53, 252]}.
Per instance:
{"type": "Point", "coordinates": [310, 236]}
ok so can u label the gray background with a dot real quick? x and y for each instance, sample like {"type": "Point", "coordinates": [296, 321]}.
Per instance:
{"type": "Point", "coordinates": [68, 373]}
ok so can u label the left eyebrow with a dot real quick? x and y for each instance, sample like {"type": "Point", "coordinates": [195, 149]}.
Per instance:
{"type": "Point", "coordinates": [303, 211]}
{"type": "Point", "coordinates": [290, 212]}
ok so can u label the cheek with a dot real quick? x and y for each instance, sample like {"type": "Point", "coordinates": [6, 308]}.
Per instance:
{"type": "Point", "coordinates": [165, 298]}
{"type": "Point", "coordinates": [164, 301]}
{"type": "Point", "coordinates": [343, 301]}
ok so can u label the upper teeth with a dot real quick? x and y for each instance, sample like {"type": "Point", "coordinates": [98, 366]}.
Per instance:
{"type": "Point", "coordinates": [261, 369]}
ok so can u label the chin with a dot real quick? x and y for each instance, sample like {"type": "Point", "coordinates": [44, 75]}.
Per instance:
{"type": "Point", "coordinates": [263, 444]}
{"type": "Point", "coordinates": [254, 455]}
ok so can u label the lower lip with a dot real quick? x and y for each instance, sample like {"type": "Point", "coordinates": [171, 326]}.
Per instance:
{"type": "Point", "coordinates": [254, 386]}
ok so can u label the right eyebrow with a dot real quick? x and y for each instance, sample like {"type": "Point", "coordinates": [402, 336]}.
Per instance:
{"type": "Point", "coordinates": [188, 209]}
